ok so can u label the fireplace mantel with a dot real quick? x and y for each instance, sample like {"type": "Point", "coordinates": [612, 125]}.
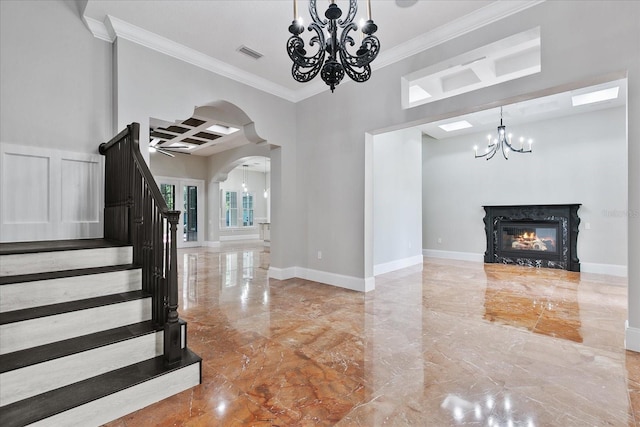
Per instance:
{"type": "Point", "coordinates": [550, 235]}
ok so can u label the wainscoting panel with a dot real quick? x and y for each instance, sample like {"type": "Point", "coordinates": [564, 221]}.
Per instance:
{"type": "Point", "coordinates": [80, 177]}
{"type": "Point", "coordinates": [19, 173]}
{"type": "Point", "coordinates": [49, 194]}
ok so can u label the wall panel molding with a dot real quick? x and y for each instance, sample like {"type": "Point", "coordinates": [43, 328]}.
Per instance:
{"type": "Point", "coordinates": [49, 194]}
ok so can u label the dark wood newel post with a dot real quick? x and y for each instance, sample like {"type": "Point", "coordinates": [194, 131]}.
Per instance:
{"type": "Point", "coordinates": [172, 335]}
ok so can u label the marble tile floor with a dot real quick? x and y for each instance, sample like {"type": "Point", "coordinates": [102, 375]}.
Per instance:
{"type": "Point", "coordinates": [454, 343]}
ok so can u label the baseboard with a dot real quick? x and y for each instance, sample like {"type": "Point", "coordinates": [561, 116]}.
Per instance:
{"type": "Point", "coordinates": [461, 256]}
{"type": "Point", "coordinates": [282, 273]}
{"type": "Point", "coordinates": [610, 269]}
{"type": "Point", "coordinates": [388, 267]}
{"type": "Point", "coordinates": [211, 244]}
{"type": "Point", "coordinates": [632, 338]}
{"type": "Point", "coordinates": [240, 237]}
{"type": "Point", "coordinates": [338, 280]}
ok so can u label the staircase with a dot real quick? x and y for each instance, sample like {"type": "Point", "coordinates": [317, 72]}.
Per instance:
{"type": "Point", "coordinates": [77, 344]}
{"type": "Point", "coordinates": [89, 328]}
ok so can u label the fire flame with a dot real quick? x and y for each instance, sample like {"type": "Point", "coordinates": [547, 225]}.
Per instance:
{"type": "Point", "coordinates": [529, 236]}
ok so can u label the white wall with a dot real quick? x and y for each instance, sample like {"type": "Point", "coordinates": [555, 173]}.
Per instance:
{"type": "Point", "coordinates": [180, 166]}
{"type": "Point", "coordinates": [55, 78]}
{"type": "Point", "coordinates": [397, 200]}
{"type": "Point", "coordinates": [576, 159]}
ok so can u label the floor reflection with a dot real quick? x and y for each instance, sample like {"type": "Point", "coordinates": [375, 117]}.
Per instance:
{"type": "Point", "coordinates": [452, 343]}
{"type": "Point", "coordinates": [550, 307]}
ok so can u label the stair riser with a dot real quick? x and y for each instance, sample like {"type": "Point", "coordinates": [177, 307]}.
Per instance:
{"type": "Point", "coordinates": [42, 262]}
{"type": "Point", "coordinates": [17, 296]}
{"type": "Point", "coordinates": [32, 380]}
{"type": "Point", "coordinates": [116, 405]}
{"type": "Point", "coordinates": [34, 332]}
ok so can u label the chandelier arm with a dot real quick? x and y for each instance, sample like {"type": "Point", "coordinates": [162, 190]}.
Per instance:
{"type": "Point", "coordinates": [357, 66]}
{"type": "Point", "coordinates": [353, 10]}
{"type": "Point", "coordinates": [505, 149]}
{"type": "Point", "coordinates": [490, 152]}
{"type": "Point", "coordinates": [367, 52]}
{"type": "Point", "coordinates": [313, 11]}
{"type": "Point", "coordinates": [297, 53]}
{"type": "Point", "coordinates": [517, 150]}
{"type": "Point", "coordinates": [493, 152]}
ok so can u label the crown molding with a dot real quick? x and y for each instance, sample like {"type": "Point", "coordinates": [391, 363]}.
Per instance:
{"type": "Point", "coordinates": [98, 29]}
{"type": "Point", "coordinates": [487, 15]}
{"type": "Point", "coordinates": [113, 28]}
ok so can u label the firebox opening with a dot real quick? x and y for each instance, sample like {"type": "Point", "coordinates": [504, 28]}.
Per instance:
{"type": "Point", "coordinates": [524, 236]}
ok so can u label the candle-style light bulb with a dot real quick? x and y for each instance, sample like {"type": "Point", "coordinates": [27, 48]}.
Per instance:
{"type": "Point", "coordinates": [295, 9]}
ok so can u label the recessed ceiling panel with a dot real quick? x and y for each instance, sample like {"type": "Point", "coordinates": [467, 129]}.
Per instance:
{"type": "Point", "coordinates": [207, 135]}
{"type": "Point", "coordinates": [193, 122]}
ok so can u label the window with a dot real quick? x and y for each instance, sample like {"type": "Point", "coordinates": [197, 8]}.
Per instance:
{"type": "Point", "coordinates": [231, 208]}
{"type": "Point", "coordinates": [233, 215]}
{"type": "Point", "coordinates": [247, 210]}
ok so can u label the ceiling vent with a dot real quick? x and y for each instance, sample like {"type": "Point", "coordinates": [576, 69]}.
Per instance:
{"type": "Point", "coordinates": [250, 52]}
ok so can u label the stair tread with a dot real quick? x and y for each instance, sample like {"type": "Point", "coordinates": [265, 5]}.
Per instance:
{"type": "Point", "coordinates": [5, 280]}
{"type": "Point", "coordinates": [59, 400]}
{"type": "Point", "coordinates": [31, 356]}
{"type": "Point", "coordinates": [11, 248]}
{"type": "Point", "coordinates": [66, 307]}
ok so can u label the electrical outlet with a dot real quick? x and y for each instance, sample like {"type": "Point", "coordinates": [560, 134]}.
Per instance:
{"type": "Point", "coordinates": [587, 226]}
{"type": "Point", "coordinates": [319, 254]}
{"type": "Point", "coordinates": [439, 239]}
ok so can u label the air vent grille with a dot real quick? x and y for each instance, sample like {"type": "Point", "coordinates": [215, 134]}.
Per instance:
{"type": "Point", "coordinates": [250, 52]}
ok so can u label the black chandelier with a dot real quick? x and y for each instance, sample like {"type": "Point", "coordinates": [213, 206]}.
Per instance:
{"type": "Point", "coordinates": [332, 60]}
{"type": "Point", "coordinates": [502, 143]}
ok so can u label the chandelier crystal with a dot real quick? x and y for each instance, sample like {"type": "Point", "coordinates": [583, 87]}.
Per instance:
{"type": "Point", "coordinates": [503, 143]}
{"type": "Point", "coordinates": [332, 59]}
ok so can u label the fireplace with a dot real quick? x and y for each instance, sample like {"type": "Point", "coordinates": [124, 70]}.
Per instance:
{"type": "Point", "coordinates": [533, 235]}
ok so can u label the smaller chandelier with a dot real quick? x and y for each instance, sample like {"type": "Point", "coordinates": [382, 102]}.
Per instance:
{"type": "Point", "coordinates": [332, 60]}
{"type": "Point", "coordinates": [503, 143]}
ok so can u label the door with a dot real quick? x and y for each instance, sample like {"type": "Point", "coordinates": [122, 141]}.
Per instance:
{"type": "Point", "coordinates": [190, 192]}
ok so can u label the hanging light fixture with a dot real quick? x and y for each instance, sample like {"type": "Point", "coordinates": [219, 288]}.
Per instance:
{"type": "Point", "coordinates": [245, 176]}
{"type": "Point", "coordinates": [502, 143]}
{"type": "Point", "coordinates": [332, 60]}
{"type": "Point", "coordinates": [265, 194]}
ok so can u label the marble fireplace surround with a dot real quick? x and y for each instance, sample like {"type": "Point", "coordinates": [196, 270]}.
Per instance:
{"type": "Point", "coordinates": [564, 217]}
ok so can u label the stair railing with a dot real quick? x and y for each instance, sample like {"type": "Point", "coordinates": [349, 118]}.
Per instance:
{"type": "Point", "coordinates": [136, 213]}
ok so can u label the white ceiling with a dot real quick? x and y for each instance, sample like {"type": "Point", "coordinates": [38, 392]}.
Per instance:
{"type": "Point", "coordinates": [534, 110]}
